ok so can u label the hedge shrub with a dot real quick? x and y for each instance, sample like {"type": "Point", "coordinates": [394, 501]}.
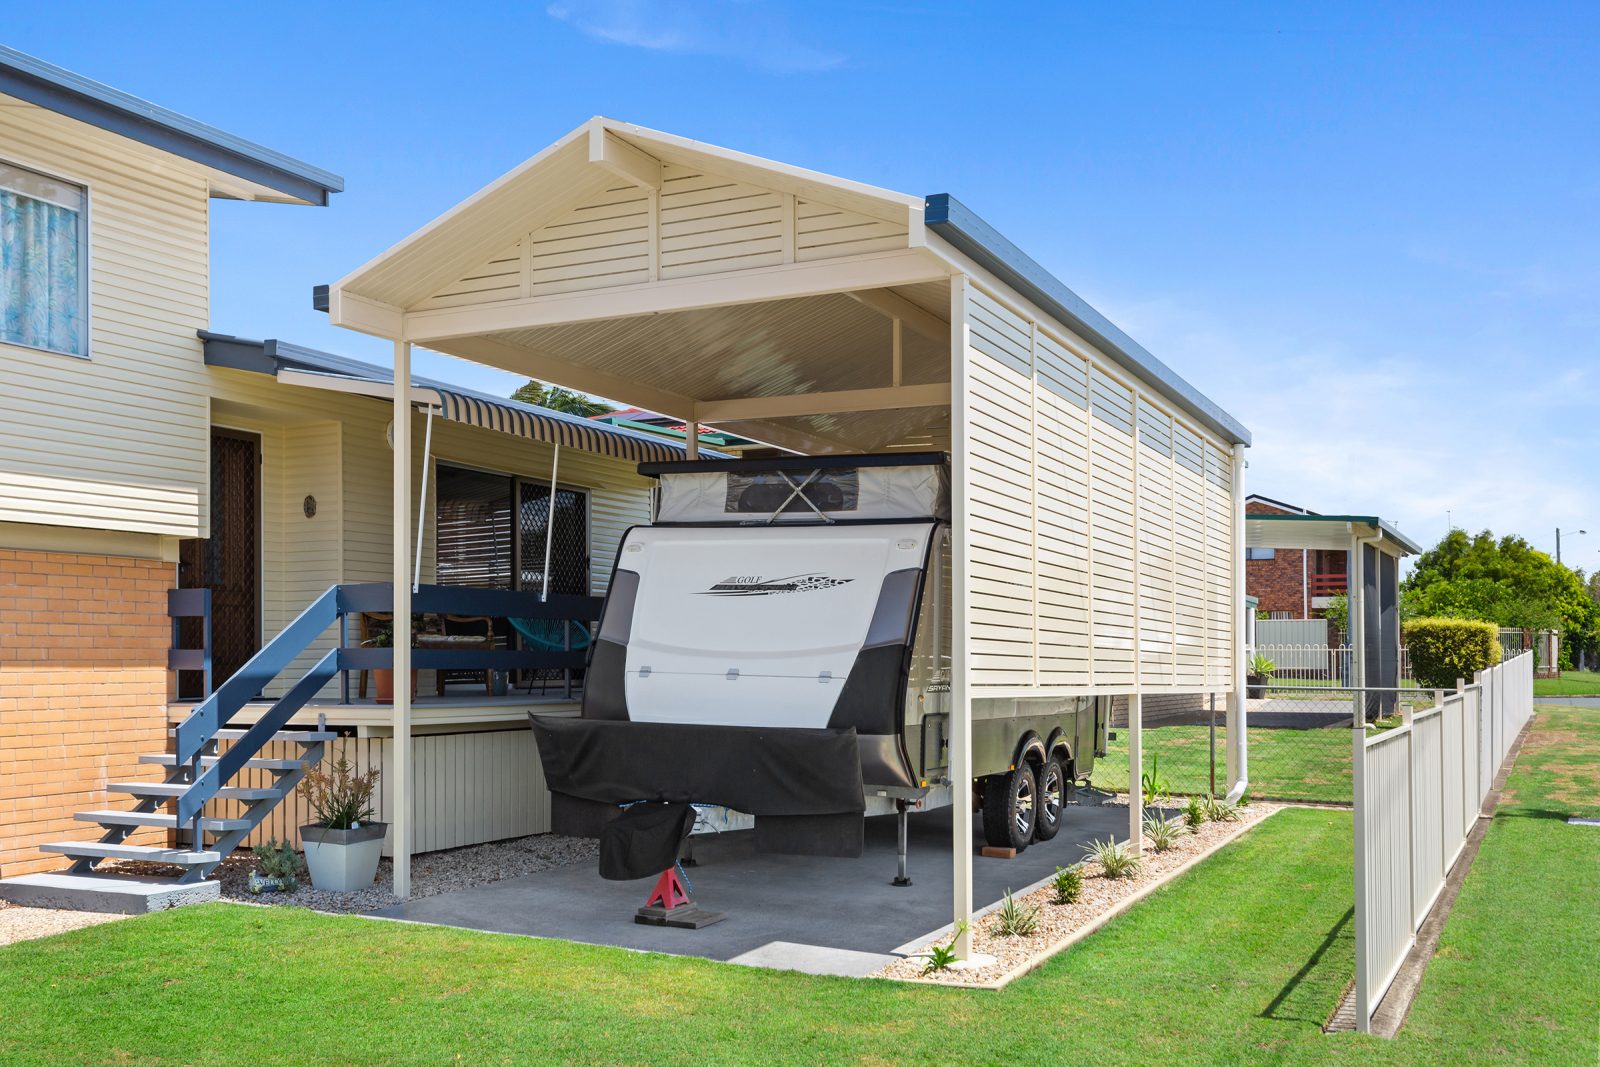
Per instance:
{"type": "Point", "coordinates": [1443, 650]}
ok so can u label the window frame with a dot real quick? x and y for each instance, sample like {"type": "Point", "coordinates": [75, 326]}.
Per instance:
{"type": "Point", "coordinates": [85, 251]}
{"type": "Point", "coordinates": [1251, 557]}
{"type": "Point", "coordinates": [516, 502]}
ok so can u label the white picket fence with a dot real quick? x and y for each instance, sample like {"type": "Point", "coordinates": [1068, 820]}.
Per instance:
{"type": "Point", "coordinates": [1419, 788]}
{"type": "Point", "coordinates": [1321, 664]}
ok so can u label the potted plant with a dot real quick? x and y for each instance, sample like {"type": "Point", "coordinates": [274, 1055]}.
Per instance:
{"type": "Point", "coordinates": [1259, 674]}
{"type": "Point", "coordinates": [383, 677]}
{"type": "Point", "coordinates": [343, 846]}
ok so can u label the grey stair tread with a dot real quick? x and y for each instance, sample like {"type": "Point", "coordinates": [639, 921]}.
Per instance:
{"type": "Point", "coordinates": [299, 737]}
{"type": "Point", "coordinates": [154, 818]}
{"type": "Point", "coordinates": [126, 894]}
{"type": "Point", "coordinates": [150, 853]}
{"type": "Point", "coordinates": [167, 759]}
{"type": "Point", "coordinates": [177, 789]}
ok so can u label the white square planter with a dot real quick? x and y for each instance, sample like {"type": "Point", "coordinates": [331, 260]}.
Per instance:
{"type": "Point", "coordinates": [342, 861]}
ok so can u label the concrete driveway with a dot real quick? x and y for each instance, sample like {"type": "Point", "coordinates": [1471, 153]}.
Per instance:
{"type": "Point", "coordinates": [835, 916]}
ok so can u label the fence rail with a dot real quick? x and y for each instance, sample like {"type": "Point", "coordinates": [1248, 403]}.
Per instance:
{"type": "Point", "coordinates": [1419, 788]}
{"type": "Point", "coordinates": [1321, 664]}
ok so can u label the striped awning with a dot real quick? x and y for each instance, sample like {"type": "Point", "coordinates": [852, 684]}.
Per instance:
{"type": "Point", "coordinates": [554, 427]}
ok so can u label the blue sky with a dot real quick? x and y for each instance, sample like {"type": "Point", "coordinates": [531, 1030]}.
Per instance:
{"type": "Point", "coordinates": [1369, 232]}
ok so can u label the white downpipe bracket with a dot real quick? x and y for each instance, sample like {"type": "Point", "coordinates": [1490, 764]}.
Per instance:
{"type": "Point", "coordinates": [422, 499]}
{"type": "Point", "coordinates": [550, 522]}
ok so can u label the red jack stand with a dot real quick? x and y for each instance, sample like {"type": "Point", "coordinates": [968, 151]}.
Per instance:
{"type": "Point", "coordinates": [669, 904]}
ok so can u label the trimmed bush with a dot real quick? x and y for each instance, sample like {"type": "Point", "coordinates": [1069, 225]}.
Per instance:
{"type": "Point", "coordinates": [1443, 650]}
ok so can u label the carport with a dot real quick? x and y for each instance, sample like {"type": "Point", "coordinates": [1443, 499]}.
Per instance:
{"type": "Point", "coordinates": [1097, 497]}
{"type": "Point", "coordinates": [1373, 550]}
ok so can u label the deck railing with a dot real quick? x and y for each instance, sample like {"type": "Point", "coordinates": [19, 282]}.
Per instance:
{"type": "Point", "coordinates": [194, 737]}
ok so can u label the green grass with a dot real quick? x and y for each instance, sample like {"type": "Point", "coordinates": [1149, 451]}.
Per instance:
{"type": "Point", "coordinates": [1241, 960]}
{"type": "Point", "coordinates": [1288, 764]}
{"type": "Point", "coordinates": [1518, 965]}
{"type": "Point", "coordinates": [1570, 684]}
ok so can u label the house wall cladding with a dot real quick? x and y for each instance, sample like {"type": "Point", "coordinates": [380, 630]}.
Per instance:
{"type": "Point", "coordinates": [117, 441]}
{"type": "Point", "coordinates": [83, 691]}
{"type": "Point", "coordinates": [1107, 560]}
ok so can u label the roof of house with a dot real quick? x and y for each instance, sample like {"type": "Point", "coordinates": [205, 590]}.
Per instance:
{"type": "Point", "coordinates": [266, 174]}
{"type": "Point", "coordinates": [484, 409]}
{"type": "Point", "coordinates": [1259, 499]}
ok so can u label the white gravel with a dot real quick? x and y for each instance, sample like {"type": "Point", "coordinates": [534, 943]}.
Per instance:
{"type": "Point", "coordinates": [432, 873]}
{"type": "Point", "coordinates": [25, 924]}
{"type": "Point", "coordinates": [1057, 922]}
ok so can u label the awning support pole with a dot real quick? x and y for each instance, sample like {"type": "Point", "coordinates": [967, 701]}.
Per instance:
{"type": "Point", "coordinates": [960, 726]}
{"type": "Point", "coordinates": [550, 521]}
{"type": "Point", "coordinates": [422, 497]}
{"type": "Point", "coordinates": [399, 768]}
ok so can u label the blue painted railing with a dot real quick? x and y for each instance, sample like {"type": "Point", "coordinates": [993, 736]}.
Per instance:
{"type": "Point", "coordinates": [190, 604]}
{"type": "Point", "coordinates": [336, 605]}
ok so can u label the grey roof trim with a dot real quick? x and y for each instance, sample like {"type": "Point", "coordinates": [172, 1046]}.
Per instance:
{"type": "Point", "coordinates": [269, 356]}
{"type": "Point", "coordinates": [956, 223]}
{"type": "Point", "coordinates": [1297, 509]}
{"type": "Point", "coordinates": [1387, 529]}
{"type": "Point", "coordinates": [75, 96]}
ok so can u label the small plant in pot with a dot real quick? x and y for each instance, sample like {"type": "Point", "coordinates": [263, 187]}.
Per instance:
{"type": "Point", "coordinates": [1259, 673]}
{"type": "Point", "coordinates": [383, 677]}
{"type": "Point", "coordinates": [343, 846]}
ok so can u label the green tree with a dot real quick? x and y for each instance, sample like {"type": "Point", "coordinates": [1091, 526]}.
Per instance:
{"type": "Point", "coordinates": [1505, 581]}
{"type": "Point", "coordinates": [557, 399]}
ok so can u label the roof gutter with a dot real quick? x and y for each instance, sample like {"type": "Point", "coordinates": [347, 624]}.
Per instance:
{"type": "Point", "coordinates": [956, 223]}
{"type": "Point", "coordinates": [60, 90]}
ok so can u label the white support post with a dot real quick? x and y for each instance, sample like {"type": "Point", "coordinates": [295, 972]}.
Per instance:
{"type": "Point", "coordinates": [1237, 715]}
{"type": "Point", "coordinates": [1136, 773]}
{"type": "Point", "coordinates": [399, 771]}
{"type": "Point", "coordinates": [1358, 770]}
{"type": "Point", "coordinates": [960, 729]}
{"type": "Point", "coordinates": [691, 432]}
{"type": "Point", "coordinates": [1356, 608]}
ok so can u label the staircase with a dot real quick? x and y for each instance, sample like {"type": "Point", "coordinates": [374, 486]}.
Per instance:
{"type": "Point", "coordinates": [196, 772]}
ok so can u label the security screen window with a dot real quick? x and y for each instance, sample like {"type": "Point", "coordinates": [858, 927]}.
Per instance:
{"type": "Point", "coordinates": [43, 262]}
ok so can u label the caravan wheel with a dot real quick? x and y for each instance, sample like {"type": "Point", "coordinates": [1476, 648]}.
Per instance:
{"type": "Point", "coordinates": [1010, 805]}
{"type": "Point", "coordinates": [1052, 800]}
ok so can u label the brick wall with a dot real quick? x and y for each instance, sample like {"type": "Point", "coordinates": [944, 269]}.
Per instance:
{"type": "Point", "coordinates": [1279, 583]}
{"type": "Point", "coordinates": [83, 692]}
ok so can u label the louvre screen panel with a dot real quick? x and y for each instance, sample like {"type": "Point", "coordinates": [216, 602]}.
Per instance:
{"type": "Point", "coordinates": [1100, 523]}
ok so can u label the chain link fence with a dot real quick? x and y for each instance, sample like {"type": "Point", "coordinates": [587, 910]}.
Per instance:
{"type": "Point", "coordinates": [1299, 740]}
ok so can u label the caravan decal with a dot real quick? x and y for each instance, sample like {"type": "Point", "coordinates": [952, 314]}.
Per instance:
{"type": "Point", "coordinates": [754, 585]}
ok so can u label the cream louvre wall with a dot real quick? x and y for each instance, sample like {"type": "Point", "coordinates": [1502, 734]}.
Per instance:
{"type": "Point", "coordinates": [697, 223]}
{"type": "Point", "coordinates": [1110, 565]}
{"type": "Point", "coordinates": [117, 441]}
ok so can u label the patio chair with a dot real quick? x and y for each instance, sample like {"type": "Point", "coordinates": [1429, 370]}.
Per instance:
{"type": "Point", "coordinates": [462, 631]}
{"type": "Point", "coordinates": [549, 635]}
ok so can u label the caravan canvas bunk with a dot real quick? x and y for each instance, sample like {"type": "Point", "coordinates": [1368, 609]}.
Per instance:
{"type": "Point", "coordinates": [778, 642]}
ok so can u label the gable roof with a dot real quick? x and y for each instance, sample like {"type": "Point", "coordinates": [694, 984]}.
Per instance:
{"type": "Point", "coordinates": [265, 174]}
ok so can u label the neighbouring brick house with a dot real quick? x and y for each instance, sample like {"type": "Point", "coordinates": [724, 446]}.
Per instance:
{"type": "Point", "coordinates": [1292, 583]}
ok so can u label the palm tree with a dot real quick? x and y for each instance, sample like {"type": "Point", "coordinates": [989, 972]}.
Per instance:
{"type": "Point", "coordinates": [557, 399]}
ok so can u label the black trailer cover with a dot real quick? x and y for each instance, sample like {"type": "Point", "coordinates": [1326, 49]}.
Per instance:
{"type": "Point", "coordinates": [805, 784]}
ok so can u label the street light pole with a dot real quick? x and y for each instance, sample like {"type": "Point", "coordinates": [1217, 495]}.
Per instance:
{"type": "Point", "coordinates": [1558, 541]}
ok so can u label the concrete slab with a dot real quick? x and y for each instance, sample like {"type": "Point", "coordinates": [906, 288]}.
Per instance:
{"type": "Point", "coordinates": [824, 903]}
{"type": "Point", "coordinates": [121, 894]}
{"type": "Point", "coordinates": [814, 959]}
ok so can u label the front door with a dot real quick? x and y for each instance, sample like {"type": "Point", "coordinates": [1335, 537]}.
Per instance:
{"type": "Point", "coordinates": [229, 561]}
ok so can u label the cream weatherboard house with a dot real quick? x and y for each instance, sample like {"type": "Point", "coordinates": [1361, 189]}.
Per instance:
{"type": "Point", "coordinates": [140, 453]}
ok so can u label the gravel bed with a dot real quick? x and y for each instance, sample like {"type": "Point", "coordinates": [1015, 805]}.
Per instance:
{"type": "Point", "coordinates": [1058, 921]}
{"type": "Point", "coordinates": [25, 924]}
{"type": "Point", "coordinates": [432, 873]}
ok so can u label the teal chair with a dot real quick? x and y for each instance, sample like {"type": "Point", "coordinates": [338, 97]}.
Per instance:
{"type": "Point", "coordinates": [550, 635]}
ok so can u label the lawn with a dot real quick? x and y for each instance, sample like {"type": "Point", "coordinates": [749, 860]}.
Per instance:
{"type": "Point", "coordinates": [1240, 960]}
{"type": "Point", "coordinates": [1570, 684]}
{"type": "Point", "coordinates": [1285, 764]}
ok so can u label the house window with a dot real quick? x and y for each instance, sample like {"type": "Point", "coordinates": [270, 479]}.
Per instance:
{"type": "Point", "coordinates": [44, 262]}
{"type": "Point", "coordinates": [490, 533]}
{"type": "Point", "coordinates": [1260, 553]}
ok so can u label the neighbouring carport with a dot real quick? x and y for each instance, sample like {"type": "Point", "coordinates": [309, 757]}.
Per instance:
{"type": "Point", "coordinates": [1097, 497]}
{"type": "Point", "coordinates": [1373, 549]}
